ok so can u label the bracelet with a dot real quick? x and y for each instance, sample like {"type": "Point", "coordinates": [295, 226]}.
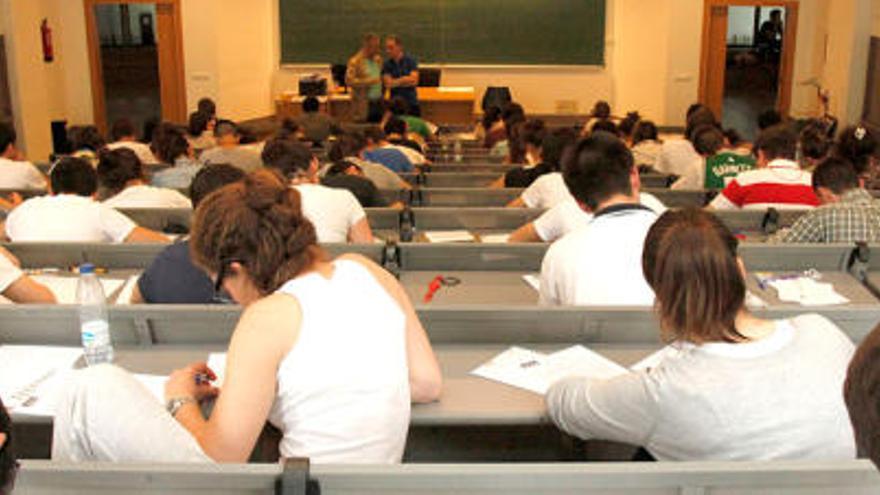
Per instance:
{"type": "Point", "coordinates": [174, 405]}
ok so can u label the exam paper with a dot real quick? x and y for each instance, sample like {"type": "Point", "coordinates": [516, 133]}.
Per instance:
{"type": "Point", "coordinates": [533, 280]}
{"type": "Point", "coordinates": [32, 377]}
{"type": "Point", "coordinates": [807, 292]}
{"type": "Point", "coordinates": [64, 288]}
{"type": "Point", "coordinates": [536, 372]}
{"type": "Point", "coordinates": [127, 290]}
{"type": "Point", "coordinates": [217, 363]}
{"type": "Point", "coordinates": [447, 236]}
{"type": "Point", "coordinates": [494, 238]}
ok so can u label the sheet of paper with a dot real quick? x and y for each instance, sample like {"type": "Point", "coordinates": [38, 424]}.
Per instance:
{"type": "Point", "coordinates": [494, 238]}
{"type": "Point", "coordinates": [32, 376]}
{"type": "Point", "coordinates": [655, 359]}
{"type": "Point", "coordinates": [125, 294]}
{"type": "Point", "coordinates": [217, 363]}
{"type": "Point", "coordinates": [155, 384]}
{"type": "Point", "coordinates": [534, 281]}
{"type": "Point", "coordinates": [447, 236]}
{"type": "Point", "coordinates": [753, 301]}
{"type": "Point", "coordinates": [536, 372]}
{"type": "Point", "coordinates": [64, 288]}
{"type": "Point", "coordinates": [807, 292]}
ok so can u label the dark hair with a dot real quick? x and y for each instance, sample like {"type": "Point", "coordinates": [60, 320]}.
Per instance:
{"type": "Point", "coordinates": [116, 168]}
{"type": "Point", "coordinates": [211, 178]}
{"type": "Point", "coordinates": [287, 158]}
{"type": "Point", "coordinates": [835, 174]}
{"type": "Point", "coordinates": [395, 38]}
{"type": "Point", "coordinates": [601, 110]}
{"type": "Point", "coordinates": [708, 140]}
{"type": "Point", "coordinates": [73, 176]}
{"type": "Point", "coordinates": [556, 144]}
{"type": "Point", "coordinates": [345, 146]}
{"type": "Point", "coordinates": [207, 107]}
{"type": "Point", "coordinates": [777, 142]}
{"type": "Point", "coordinates": [599, 168]}
{"type": "Point", "coordinates": [398, 106]}
{"type": "Point", "coordinates": [629, 123]}
{"type": "Point", "coordinates": [693, 108]}
{"type": "Point", "coordinates": [288, 130]}
{"type": "Point", "coordinates": [198, 123]}
{"type": "Point", "coordinates": [533, 132]}
{"type": "Point", "coordinates": [374, 134]}
{"type": "Point", "coordinates": [857, 144]}
{"type": "Point", "coordinates": [768, 119]}
{"type": "Point", "coordinates": [490, 116]}
{"type": "Point", "coordinates": [814, 141]}
{"type": "Point", "coordinates": [690, 261]}
{"type": "Point", "coordinates": [246, 135]}
{"type": "Point", "coordinates": [339, 168]}
{"type": "Point", "coordinates": [86, 137]}
{"type": "Point", "coordinates": [512, 113]}
{"type": "Point", "coordinates": [700, 117]}
{"type": "Point", "coordinates": [122, 128]}
{"type": "Point", "coordinates": [732, 136]}
{"type": "Point", "coordinates": [8, 459]}
{"type": "Point", "coordinates": [645, 131]}
{"type": "Point", "coordinates": [259, 223]}
{"type": "Point", "coordinates": [604, 126]}
{"type": "Point", "coordinates": [150, 126]}
{"type": "Point", "coordinates": [225, 128]}
{"type": "Point", "coordinates": [169, 143]}
{"type": "Point", "coordinates": [395, 125]}
{"type": "Point", "coordinates": [311, 104]}
{"type": "Point", "coordinates": [7, 136]}
{"type": "Point", "coordinates": [861, 392]}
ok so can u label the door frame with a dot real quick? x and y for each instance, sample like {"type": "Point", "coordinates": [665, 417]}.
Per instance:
{"type": "Point", "coordinates": [172, 83]}
{"type": "Point", "coordinates": [711, 76]}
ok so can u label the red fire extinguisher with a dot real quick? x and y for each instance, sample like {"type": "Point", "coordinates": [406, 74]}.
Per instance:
{"type": "Point", "coordinates": [46, 34]}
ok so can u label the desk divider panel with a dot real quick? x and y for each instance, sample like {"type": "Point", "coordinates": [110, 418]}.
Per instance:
{"type": "Point", "coordinates": [473, 219]}
{"type": "Point", "coordinates": [468, 257]}
{"type": "Point", "coordinates": [104, 255]}
{"type": "Point", "coordinates": [755, 220]}
{"type": "Point", "coordinates": [172, 220]}
{"type": "Point", "coordinates": [796, 257]}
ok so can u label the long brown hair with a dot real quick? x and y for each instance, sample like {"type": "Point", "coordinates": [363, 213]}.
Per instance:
{"type": "Point", "coordinates": [690, 261]}
{"type": "Point", "coordinates": [259, 223]}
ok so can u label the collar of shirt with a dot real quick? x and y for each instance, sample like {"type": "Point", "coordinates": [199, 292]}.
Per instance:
{"type": "Point", "coordinates": [782, 163]}
{"type": "Point", "coordinates": [857, 196]}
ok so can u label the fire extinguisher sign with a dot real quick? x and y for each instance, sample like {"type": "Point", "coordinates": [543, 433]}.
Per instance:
{"type": "Point", "coordinates": [46, 35]}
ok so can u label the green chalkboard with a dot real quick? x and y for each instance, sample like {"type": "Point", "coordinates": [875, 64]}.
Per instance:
{"type": "Point", "coordinates": [528, 32]}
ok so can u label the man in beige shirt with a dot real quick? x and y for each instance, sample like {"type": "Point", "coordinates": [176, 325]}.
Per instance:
{"type": "Point", "coordinates": [364, 77]}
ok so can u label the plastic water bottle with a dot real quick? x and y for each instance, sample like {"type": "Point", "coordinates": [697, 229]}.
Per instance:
{"type": "Point", "coordinates": [93, 322]}
{"type": "Point", "coordinates": [457, 150]}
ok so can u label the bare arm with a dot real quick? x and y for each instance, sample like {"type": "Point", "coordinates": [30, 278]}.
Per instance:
{"type": "Point", "coordinates": [136, 296]}
{"type": "Point", "coordinates": [26, 290]}
{"type": "Point", "coordinates": [360, 232]}
{"type": "Point", "coordinates": [425, 378]}
{"type": "Point", "coordinates": [147, 236]}
{"type": "Point", "coordinates": [267, 331]}
{"type": "Point", "coordinates": [526, 233]}
{"type": "Point", "coordinates": [517, 203]}
{"type": "Point", "coordinates": [497, 183]}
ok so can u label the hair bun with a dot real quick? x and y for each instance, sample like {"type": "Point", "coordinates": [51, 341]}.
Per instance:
{"type": "Point", "coordinates": [263, 190]}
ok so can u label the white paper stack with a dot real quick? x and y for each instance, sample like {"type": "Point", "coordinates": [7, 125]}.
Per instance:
{"type": "Point", "coordinates": [32, 377]}
{"type": "Point", "coordinates": [533, 280]}
{"type": "Point", "coordinates": [448, 236]}
{"type": "Point", "coordinates": [494, 238]}
{"type": "Point", "coordinates": [536, 372]}
{"type": "Point", "coordinates": [807, 292]}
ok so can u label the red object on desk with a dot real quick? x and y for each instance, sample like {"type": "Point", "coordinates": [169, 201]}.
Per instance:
{"type": "Point", "coordinates": [433, 287]}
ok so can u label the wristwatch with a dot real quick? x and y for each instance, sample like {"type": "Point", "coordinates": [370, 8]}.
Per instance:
{"type": "Point", "coordinates": [174, 405]}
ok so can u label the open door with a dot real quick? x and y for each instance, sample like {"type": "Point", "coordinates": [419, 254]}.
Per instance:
{"type": "Point", "coordinates": [156, 59]}
{"type": "Point", "coordinates": [717, 39]}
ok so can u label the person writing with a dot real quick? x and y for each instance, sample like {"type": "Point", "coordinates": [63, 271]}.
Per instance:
{"type": "Point", "coordinates": [400, 74]}
{"type": "Point", "coordinates": [338, 384]}
{"type": "Point", "coordinates": [363, 76]}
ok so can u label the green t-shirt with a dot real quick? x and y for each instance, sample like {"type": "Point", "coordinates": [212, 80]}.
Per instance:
{"type": "Point", "coordinates": [726, 165]}
{"type": "Point", "coordinates": [374, 71]}
{"type": "Point", "coordinates": [417, 125]}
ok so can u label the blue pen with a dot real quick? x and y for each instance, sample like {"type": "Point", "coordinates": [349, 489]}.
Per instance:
{"type": "Point", "coordinates": [202, 378]}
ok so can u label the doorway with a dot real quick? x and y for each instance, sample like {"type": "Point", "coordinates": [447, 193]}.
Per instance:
{"type": "Point", "coordinates": [5, 99]}
{"type": "Point", "coordinates": [136, 57]}
{"type": "Point", "coordinates": [748, 60]}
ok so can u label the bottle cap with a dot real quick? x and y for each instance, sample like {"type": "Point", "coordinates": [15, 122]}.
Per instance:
{"type": "Point", "coordinates": [86, 268]}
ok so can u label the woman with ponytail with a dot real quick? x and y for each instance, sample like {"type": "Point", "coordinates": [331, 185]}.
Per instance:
{"type": "Point", "coordinates": [338, 384]}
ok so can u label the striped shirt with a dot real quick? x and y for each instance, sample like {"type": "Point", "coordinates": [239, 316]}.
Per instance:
{"type": "Point", "coordinates": [855, 218]}
{"type": "Point", "coordinates": [781, 185]}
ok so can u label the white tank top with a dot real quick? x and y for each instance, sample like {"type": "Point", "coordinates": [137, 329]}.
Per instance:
{"type": "Point", "coordinates": [343, 389]}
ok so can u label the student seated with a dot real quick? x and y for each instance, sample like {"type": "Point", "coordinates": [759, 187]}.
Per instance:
{"type": "Point", "coordinates": [491, 129]}
{"type": "Point", "coordinates": [778, 182]}
{"type": "Point", "coordinates": [627, 127]}
{"type": "Point", "coordinates": [397, 136]}
{"type": "Point", "coordinates": [336, 213]}
{"type": "Point", "coordinates": [18, 287]}
{"type": "Point", "coordinates": [172, 278]}
{"type": "Point", "coordinates": [338, 384]}
{"type": "Point", "coordinates": [317, 126]}
{"type": "Point", "coordinates": [379, 150]}
{"type": "Point", "coordinates": [532, 135]}
{"type": "Point", "coordinates": [124, 135]}
{"type": "Point", "coordinates": [86, 142]}
{"type": "Point", "coordinates": [398, 107]}
{"type": "Point", "coordinates": [646, 144]}
{"type": "Point", "coordinates": [813, 145]}
{"type": "Point", "coordinates": [228, 149]}
{"type": "Point", "coordinates": [15, 172]}
{"type": "Point", "coordinates": [858, 145]}
{"type": "Point", "coordinates": [351, 147]}
{"type": "Point", "coordinates": [70, 213]}
{"type": "Point", "coordinates": [736, 387]}
{"type": "Point", "coordinates": [348, 176]}
{"type": "Point", "coordinates": [707, 141]}
{"type": "Point", "coordinates": [171, 146]}
{"type": "Point", "coordinates": [200, 132]}
{"type": "Point", "coordinates": [861, 391]}
{"type": "Point", "coordinates": [122, 184]}
{"type": "Point", "coordinates": [549, 189]}
{"type": "Point", "coordinates": [677, 156]}
{"type": "Point", "coordinates": [598, 264]}
{"type": "Point", "coordinates": [601, 111]}
{"type": "Point", "coordinates": [507, 149]}
{"type": "Point", "coordinates": [8, 460]}
{"type": "Point", "coordinates": [848, 213]}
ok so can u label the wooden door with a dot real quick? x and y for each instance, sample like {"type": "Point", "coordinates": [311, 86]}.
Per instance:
{"type": "Point", "coordinates": [172, 85]}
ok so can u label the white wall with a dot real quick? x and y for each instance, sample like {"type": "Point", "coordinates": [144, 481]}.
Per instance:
{"type": "Point", "coordinates": [844, 74]}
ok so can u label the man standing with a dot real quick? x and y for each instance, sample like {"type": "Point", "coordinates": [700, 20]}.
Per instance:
{"type": "Point", "coordinates": [401, 74]}
{"type": "Point", "coordinates": [363, 76]}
